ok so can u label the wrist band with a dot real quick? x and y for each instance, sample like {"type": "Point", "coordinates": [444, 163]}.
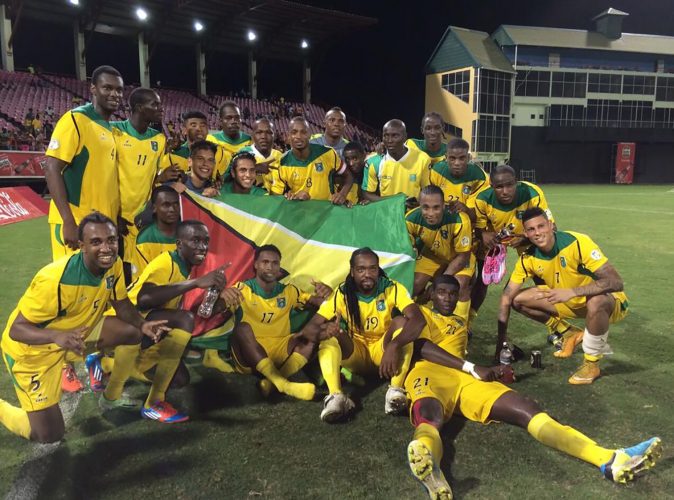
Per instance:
{"type": "Point", "coordinates": [469, 367]}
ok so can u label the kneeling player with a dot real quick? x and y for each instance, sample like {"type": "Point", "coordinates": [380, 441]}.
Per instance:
{"type": "Point", "coordinates": [374, 338]}
{"type": "Point", "coordinates": [262, 338]}
{"type": "Point", "coordinates": [60, 311]}
{"type": "Point", "coordinates": [442, 384]}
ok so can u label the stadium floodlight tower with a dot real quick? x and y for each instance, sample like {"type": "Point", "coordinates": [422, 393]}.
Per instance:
{"type": "Point", "coordinates": [306, 72]}
{"type": "Point", "coordinates": [252, 65]}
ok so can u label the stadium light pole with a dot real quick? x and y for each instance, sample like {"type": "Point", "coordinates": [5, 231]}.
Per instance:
{"type": "Point", "coordinates": [252, 64]}
{"type": "Point", "coordinates": [74, 2]}
{"type": "Point", "coordinates": [306, 72]}
{"type": "Point", "coordinates": [198, 26]}
{"type": "Point", "coordinates": [141, 14]}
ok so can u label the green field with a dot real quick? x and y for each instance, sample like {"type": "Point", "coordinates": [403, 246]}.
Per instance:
{"type": "Point", "coordinates": [240, 446]}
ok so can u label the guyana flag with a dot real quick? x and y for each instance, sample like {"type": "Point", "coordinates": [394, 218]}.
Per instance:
{"type": "Point", "coordinates": [316, 238]}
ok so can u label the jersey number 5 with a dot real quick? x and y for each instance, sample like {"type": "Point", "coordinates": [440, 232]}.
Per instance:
{"type": "Point", "coordinates": [34, 383]}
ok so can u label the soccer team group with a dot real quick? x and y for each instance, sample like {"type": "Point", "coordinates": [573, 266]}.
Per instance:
{"type": "Point", "coordinates": [123, 261]}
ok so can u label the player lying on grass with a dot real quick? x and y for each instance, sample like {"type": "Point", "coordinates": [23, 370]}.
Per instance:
{"type": "Point", "coordinates": [442, 383]}
{"type": "Point", "coordinates": [61, 310]}
{"type": "Point", "coordinates": [157, 294]}
{"type": "Point", "coordinates": [443, 241]}
{"type": "Point", "coordinates": [579, 282]}
{"type": "Point", "coordinates": [262, 340]}
{"type": "Point", "coordinates": [374, 339]}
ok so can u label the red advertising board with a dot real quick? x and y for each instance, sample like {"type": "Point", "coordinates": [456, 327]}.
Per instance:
{"type": "Point", "coordinates": [624, 163]}
{"type": "Point", "coordinates": [20, 203]}
{"type": "Point", "coordinates": [17, 164]}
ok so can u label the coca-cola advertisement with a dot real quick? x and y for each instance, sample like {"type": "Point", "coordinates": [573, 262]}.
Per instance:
{"type": "Point", "coordinates": [17, 164]}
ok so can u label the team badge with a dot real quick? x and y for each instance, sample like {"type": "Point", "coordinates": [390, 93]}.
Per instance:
{"type": "Point", "coordinates": [381, 306]}
{"type": "Point", "coordinates": [413, 177]}
{"type": "Point", "coordinates": [562, 261]}
{"type": "Point", "coordinates": [281, 302]}
{"type": "Point", "coordinates": [109, 281]}
{"type": "Point", "coordinates": [444, 233]}
{"type": "Point", "coordinates": [465, 241]}
{"type": "Point", "coordinates": [519, 214]}
{"type": "Point", "coordinates": [319, 167]}
{"type": "Point", "coordinates": [465, 189]}
{"type": "Point", "coordinates": [595, 254]}
{"type": "Point", "coordinates": [154, 145]}
{"type": "Point", "coordinates": [54, 144]}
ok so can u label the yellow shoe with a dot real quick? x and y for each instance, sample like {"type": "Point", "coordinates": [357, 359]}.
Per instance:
{"type": "Point", "coordinates": [570, 340]}
{"type": "Point", "coordinates": [586, 374]}
{"type": "Point", "coordinates": [421, 464]}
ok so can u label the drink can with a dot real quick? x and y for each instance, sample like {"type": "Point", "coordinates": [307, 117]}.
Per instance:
{"type": "Point", "coordinates": [536, 359]}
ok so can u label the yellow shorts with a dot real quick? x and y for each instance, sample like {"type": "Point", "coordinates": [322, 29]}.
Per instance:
{"type": "Point", "coordinates": [58, 248]}
{"type": "Point", "coordinates": [366, 358]}
{"type": "Point", "coordinates": [458, 392]}
{"type": "Point", "coordinates": [130, 244]}
{"type": "Point", "coordinates": [430, 265]}
{"type": "Point", "coordinates": [275, 347]}
{"type": "Point", "coordinates": [37, 378]}
{"type": "Point", "coordinates": [578, 309]}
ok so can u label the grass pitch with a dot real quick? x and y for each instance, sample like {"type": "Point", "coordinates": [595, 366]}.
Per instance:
{"type": "Point", "coordinates": [240, 446]}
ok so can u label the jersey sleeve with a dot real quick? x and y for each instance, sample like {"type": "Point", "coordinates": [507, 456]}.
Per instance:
{"type": "Point", "coordinates": [591, 256]}
{"type": "Point", "coordinates": [65, 139]}
{"type": "Point", "coordinates": [481, 219]}
{"type": "Point", "coordinates": [340, 166]}
{"type": "Point", "coordinates": [333, 305]}
{"type": "Point", "coordinates": [463, 240]}
{"type": "Point", "coordinates": [278, 185]}
{"type": "Point", "coordinates": [119, 288]}
{"type": "Point", "coordinates": [299, 298]}
{"type": "Point", "coordinates": [40, 303]}
{"type": "Point", "coordinates": [426, 172]}
{"type": "Point", "coordinates": [478, 187]}
{"type": "Point", "coordinates": [370, 177]}
{"type": "Point", "coordinates": [543, 204]}
{"type": "Point", "coordinates": [402, 297]}
{"type": "Point", "coordinates": [520, 273]}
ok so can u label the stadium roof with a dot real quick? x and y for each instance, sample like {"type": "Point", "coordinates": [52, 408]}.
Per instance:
{"type": "Point", "coordinates": [537, 36]}
{"type": "Point", "coordinates": [280, 25]}
{"type": "Point", "coordinates": [461, 48]}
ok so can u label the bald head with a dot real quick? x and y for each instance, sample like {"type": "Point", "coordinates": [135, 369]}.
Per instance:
{"type": "Point", "coordinates": [395, 123]}
{"type": "Point", "coordinates": [394, 136]}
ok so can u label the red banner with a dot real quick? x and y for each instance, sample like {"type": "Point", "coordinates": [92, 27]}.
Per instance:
{"type": "Point", "coordinates": [624, 162]}
{"type": "Point", "coordinates": [20, 203]}
{"type": "Point", "coordinates": [16, 164]}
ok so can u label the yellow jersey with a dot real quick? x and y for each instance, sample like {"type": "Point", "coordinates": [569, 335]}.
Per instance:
{"type": "Point", "coordinates": [313, 175]}
{"type": "Point", "coordinates": [274, 160]}
{"type": "Point", "coordinates": [451, 236]}
{"type": "Point", "coordinates": [571, 263]}
{"type": "Point", "coordinates": [232, 146]}
{"type": "Point", "coordinates": [268, 314]}
{"type": "Point", "coordinates": [407, 175]}
{"type": "Point", "coordinates": [465, 188]}
{"type": "Point", "coordinates": [449, 332]}
{"type": "Point", "coordinates": [85, 141]}
{"type": "Point", "coordinates": [375, 310]}
{"type": "Point", "coordinates": [420, 145]}
{"type": "Point", "coordinates": [180, 157]}
{"type": "Point", "coordinates": [150, 243]}
{"type": "Point", "coordinates": [167, 269]}
{"type": "Point", "coordinates": [138, 162]}
{"type": "Point", "coordinates": [64, 296]}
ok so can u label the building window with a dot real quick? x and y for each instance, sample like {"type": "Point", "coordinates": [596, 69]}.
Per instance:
{"type": "Point", "coordinates": [566, 115]}
{"type": "Point", "coordinates": [453, 130]}
{"type": "Point", "coordinates": [603, 113]}
{"type": "Point", "coordinates": [663, 117]}
{"type": "Point", "coordinates": [636, 114]}
{"type": "Point", "coordinates": [638, 84]}
{"type": "Point", "coordinates": [665, 89]}
{"type": "Point", "coordinates": [492, 89]}
{"type": "Point", "coordinates": [457, 83]}
{"type": "Point", "coordinates": [605, 83]}
{"type": "Point", "coordinates": [491, 134]}
{"type": "Point", "coordinates": [568, 84]}
{"type": "Point", "coordinates": [533, 83]}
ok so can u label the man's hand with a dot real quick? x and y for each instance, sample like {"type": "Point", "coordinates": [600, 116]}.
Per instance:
{"type": "Point", "coordinates": [210, 192]}
{"type": "Point", "coordinates": [389, 361]}
{"type": "Point", "coordinates": [338, 199]}
{"type": "Point", "coordinates": [557, 295]}
{"type": "Point", "coordinates": [299, 196]}
{"type": "Point", "coordinates": [214, 278]}
{"type": "Point", "coordinates": [179, 187]}
{"type": "Point", "coordinates": [123, 226]}
{"type": "Point", "coordinates": [262, 167]}
{"type": "Point", "coordinates": [331, 329]}
{"type": "Point", "coordinates": [231, 296]}
{"type": "Point", "coordinates": [70, 237]}
{"type": "Point", "coordinates": [321, 289]}
{"type": "Point", "coordinates": [486, 373]}
{"type": "Point", "coordinates": [72, 340]}
{"type": "Point", "coordinates": [489, 239]}
{"type": "Point", "coordinates": [455, 206]}
{"type": "Point", "coordinates": [154, 329]}
{"type": "Point", "coordinates": [170, 174]}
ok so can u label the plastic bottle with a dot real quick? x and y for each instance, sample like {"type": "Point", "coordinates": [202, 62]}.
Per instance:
{"type": "Point", "coordinates": [206, 308]}
{"type": "Point", "coordinates": [506, 356]}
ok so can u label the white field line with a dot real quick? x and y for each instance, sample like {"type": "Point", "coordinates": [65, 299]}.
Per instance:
{"type": "Point", "coordinates": [621, 209]}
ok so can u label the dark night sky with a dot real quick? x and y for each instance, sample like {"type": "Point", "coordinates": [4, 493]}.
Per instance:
{"type": "Point", "coordinates": [375, 74]}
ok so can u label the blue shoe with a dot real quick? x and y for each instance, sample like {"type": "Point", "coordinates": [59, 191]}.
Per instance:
{"type": "Point", "coordinates": [163, 412]}
{"type": "Point", "coordinates": [95, 371]}
{"type": "Point", "coordinates": [628, 462]}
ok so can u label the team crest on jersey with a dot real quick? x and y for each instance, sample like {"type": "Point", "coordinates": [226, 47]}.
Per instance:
{"type": "Point", "coordinates": [54, 144]}
{"type": "Point", "coordinates": [465, 189]}
{"type": "Point", "coordinates": [595, 254]}
{"type": "Point", "coordinates": [281, 302]}
{"type": "Point", "coordinates": [465, 241]}
{"type": "Point", "coordinates": [562, 261]}
{"type": "Point", "coordinates": [444, 233]}
{"type": "Point", "coordinates": [319, 167]}
{"type": "Point", "coordinates": [519, 214]}
{"type": "Point", "coordinates": [381, 305]}
{"type": "Point", "coordinates": [109, 282]}
{"type": "Point", "coordinates": [154, 145]}
{"type": "Point", "coordinates": [413, 177]}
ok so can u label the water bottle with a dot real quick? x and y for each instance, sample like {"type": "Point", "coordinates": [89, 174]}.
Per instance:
{"type": "Point", "coordinates": [506, 356]}
{"type": "Point", "coordinates": [206, 307]}
{"type": "Point", "coordinates": [556, 340]}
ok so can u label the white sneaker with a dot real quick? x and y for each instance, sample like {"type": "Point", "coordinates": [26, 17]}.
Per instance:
{"type": "Point", "coordinates": [396, 401]}
{"type": "Point", "coordinates": [336, 406]}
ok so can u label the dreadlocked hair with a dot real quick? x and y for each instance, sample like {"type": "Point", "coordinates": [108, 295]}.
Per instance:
{"type": "Point", "coordinates": [350, 291]}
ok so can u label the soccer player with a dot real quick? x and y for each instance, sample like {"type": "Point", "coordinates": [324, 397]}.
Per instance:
{"type": "Point", "coordinates": [374, 339]}
{"type": "Point", "coordinates": [441, 383]}
{"type": "Point", "coordinates": [266, 157]}
{"type": "Point", "coordinates": [306, 171]}
{"type": "Point", "coordinates": [157, 294]}
{"type": "Point", "coordinates": [195, 129]}
{"type": "Point", "coordinates": [201, 164]}
{"type": "Point", "coordinates": [60, 312]}
{"type": "Point", "coordinates": [262, 340]}
{"type": "Point", "coordinates": [81, 172]}
{"type": "Point", "coordinates": [443, 242]}
{"type": "Point", "coordinates": [243, 172]}
{"type": "Point", "coordinates": [399, 170]}
{"type": "Point", "coordinates": [230, 137]}
{"type": "Point", "coordinates": [579, 282]}
{"type": "Point", "coordinates": [433, 133]}
{"type": "Point", "coordinates": [333, 136]}
{"type": "Point", "coordinates": [354, 157]}
{"type": "Point", "coordinates": [140, 149]}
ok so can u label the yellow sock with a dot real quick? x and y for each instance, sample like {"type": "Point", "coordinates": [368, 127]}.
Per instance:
{"type": "Point", "coordinates": [125, 361]}
{"type": "Point", "coordinates": [399, 379]}
{"type": "Point", "coordinates": [430, 436]}
{"type": "Point", "coordinates": [171, 350]}
{"type": "Point", "coordinates": [557, 324]}
{"type": "Point", "coordinates": [568, 440]}
{"type": "Point", "coordinates": [15, 419]}
{"type": "Point", "coordinates": [592, 358]}
{"type": "Point", "coordinates": [300, 391]}
{"type": "Point", "coordinates": [107, 364]}
{"type": "Point", "coordinates": [463, 309]}
{"type": "Point", "coordinates": [293, 364]}
{"type": "Point", "coordinates": [330, 360]}
{"type": "Point", "coordinates": [213, 360]}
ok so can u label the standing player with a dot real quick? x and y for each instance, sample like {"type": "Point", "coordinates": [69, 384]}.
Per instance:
{"type": "Point", "coordinates": [60, 312]}
{"type": "Point", "coordinates": [333, 136]}
{"type": "Point", "coordinates": [443, 242]}
{"type": "Point", "coordinates": [262, 340]}
{"type": "Point", "coordinates": [306, 171]}
{"type": "Point", "coordinates": [157, 294]}
{"type": "Point", "coordinates": [433, 133]}
{"type": "Point", "coordinates": [266, 157]}
{"type": "Point", "coordinates": [81, 173]}
{"type": "Point", "coordinates": [443, 384]}
{"type": "Point", "coordinates": [243, 172]}
{"type": "Point", "coordinates": [382, 321]}
{"type": "Point", "coordinates": [230, 136]}
{"type": "Point", "coordinates": [579, 282]}
{"type": "Point", "coordinates": [139, 151]}
{"type": "Point", "coordinates": [399, 170]}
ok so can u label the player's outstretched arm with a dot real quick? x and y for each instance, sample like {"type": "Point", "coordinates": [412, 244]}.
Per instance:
{"type": "Point", "coordinates": [29, 333]}
{"type": "Point", "coordinates": [321, 293]}
{"type": "Point", "coordinates": [339, 198]}
{"type": "Point", "coordinates": [608, 281]}
{"type": "Point", "coordinates": [129, 314]}
{"type": "Point", "coordinates": [152, 295]}
{"type": "Point", "coordinates": [435, 354]}
{"type": "Point", "coordinates": [54, 176]}
{"type": "Point", "coordinates": [460, 261]}
{"type": "Point", "coordinates": [316, 329]}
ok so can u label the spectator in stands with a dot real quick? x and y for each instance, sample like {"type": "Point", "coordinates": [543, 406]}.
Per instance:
{"type": "Point", "coordinates": [49, 112]}
{"type": "Point", "coordinates": [230, 136]}
{"type": "Point", "coordinates": [5, 139]}
{"type": "Point", "coordinates": [25, 140]}
{"type": "Point", "coordinates": [36, 124]}
{"type": "Point", "coordinates": [333, 136]}
{"type": "Point", "coordinates": [246, 113]}
{"type": "Point", "coordinates": [31, 69]}
{"type": "Point", "coordinates": [48, 130]}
